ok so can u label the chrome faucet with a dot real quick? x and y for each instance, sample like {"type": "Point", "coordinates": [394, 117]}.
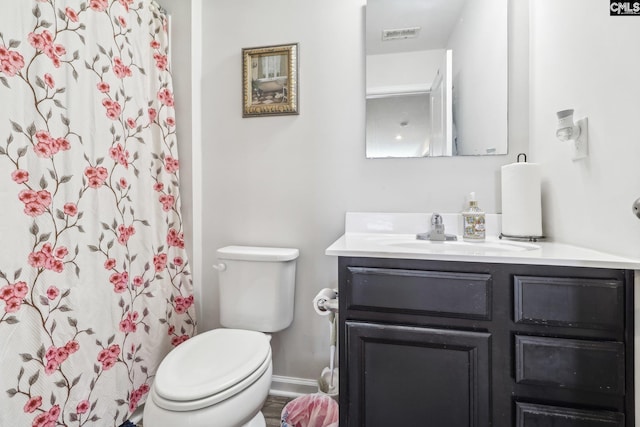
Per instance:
{"type": "Point", "coordinates": [437, 233]}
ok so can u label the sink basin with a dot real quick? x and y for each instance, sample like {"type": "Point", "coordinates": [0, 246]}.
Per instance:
{"type": "Point", "coordinates": [455, 246]}
{"type": "Point", "coordinates": [458, 245]}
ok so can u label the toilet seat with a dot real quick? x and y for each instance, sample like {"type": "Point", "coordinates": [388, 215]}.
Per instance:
{"type": "Point", "coordinates": [209, 368]}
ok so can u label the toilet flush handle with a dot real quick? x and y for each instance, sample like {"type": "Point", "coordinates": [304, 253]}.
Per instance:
{"type": "Point", "coordinates": [220, 267]}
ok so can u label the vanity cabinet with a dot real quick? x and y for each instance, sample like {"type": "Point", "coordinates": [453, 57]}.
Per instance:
{"type": "Point", "coordinates": [456, 344]}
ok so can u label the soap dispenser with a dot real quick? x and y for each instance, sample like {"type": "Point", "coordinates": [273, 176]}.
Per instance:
{"type": "Point", "coordinates": [473, 221]}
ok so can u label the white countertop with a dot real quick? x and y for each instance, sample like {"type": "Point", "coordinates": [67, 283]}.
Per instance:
{"type": "Point", "coordinates": [393, 236]}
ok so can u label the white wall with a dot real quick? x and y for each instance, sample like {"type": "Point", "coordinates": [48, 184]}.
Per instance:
{"type": "Point", "coordinates": [584, 59]}
{"type": "Point", "coordinates": [288, 180]}
{"type": "Point", "coordinates": [479, 41]}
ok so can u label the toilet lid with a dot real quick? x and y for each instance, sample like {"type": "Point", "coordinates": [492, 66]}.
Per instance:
{"type": "Point", "coordinates": [210, 363]}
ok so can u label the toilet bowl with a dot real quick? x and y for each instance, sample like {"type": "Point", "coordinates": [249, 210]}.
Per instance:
{"type": "Point", "coordinates": [221, 378]}
{"type": "Point", "coordinates": [218, 378]}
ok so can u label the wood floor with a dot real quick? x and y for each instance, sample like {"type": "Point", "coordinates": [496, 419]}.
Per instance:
{"type": "Point", "coordinates": [273, 408]}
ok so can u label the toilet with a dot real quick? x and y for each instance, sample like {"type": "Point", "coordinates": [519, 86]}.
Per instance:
{"type": "Point", "coordinates": [221, 378]}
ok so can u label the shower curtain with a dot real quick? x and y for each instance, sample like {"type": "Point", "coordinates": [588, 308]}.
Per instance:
{"type": "Point", "coordinates": [94, 281]}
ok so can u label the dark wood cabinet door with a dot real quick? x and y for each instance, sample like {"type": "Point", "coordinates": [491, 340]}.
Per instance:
{"type": "Point", "coordinates": [400, 374]}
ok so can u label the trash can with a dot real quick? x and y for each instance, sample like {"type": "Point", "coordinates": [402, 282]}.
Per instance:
{"type": "Point", "coordinates": [311, 410]}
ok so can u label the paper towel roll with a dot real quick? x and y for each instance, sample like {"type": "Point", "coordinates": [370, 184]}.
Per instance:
{"type": "Point", "coordinates": [521, 200]}
{"type": "Point", "coordinates": [325, 294]}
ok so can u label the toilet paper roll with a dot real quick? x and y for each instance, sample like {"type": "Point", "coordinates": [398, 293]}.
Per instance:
{"type": "Point", "coordinates": [521, 200]}
{"type": "Point", "coordinates": [325, 294]}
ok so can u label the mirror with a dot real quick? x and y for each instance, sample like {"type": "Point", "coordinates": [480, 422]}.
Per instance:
{"type": "Point", "coordinates": [436, 78]}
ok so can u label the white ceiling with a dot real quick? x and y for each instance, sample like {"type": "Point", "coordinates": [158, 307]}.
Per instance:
{"type": "Point", "coordinates": [436, 19]}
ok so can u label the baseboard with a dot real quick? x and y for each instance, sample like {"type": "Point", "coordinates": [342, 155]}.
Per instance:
{"type": "Point", "coordinates": [292, 387]}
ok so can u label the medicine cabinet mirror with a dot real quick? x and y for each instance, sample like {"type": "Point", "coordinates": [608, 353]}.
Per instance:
{"type": "Point", "coordinates": [436, 78]}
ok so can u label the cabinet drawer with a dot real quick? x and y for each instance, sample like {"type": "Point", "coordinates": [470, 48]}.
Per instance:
{"type": "Point", "coordinates": [569, 302]}
{"type": "Point", "coordinates": [593, 366]}
{"type": "Point", "coordinates": [435, 293]}
{"type": "Point", "coordinates": [531, 415]}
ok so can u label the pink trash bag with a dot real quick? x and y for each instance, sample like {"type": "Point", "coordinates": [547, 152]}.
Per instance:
{"type": "Point", "coordinates": [312, 410]}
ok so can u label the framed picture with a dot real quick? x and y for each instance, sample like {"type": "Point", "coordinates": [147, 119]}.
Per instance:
{"type": "Point", "coordinates": [270, 80]}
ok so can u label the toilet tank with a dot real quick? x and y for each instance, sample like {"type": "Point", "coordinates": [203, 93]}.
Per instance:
{"type": "Point", "coordinates": [257, 287]}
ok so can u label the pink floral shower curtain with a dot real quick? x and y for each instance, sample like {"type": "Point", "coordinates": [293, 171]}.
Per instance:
{"type": "Point", "coordinates": [94, 279]}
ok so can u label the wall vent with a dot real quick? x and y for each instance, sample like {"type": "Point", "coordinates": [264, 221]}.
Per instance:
{"type": "Point", "coordinates": [400, 33]}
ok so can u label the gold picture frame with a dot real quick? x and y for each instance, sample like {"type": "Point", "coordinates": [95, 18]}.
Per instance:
{"type": "Point", "coordinates": [270, 80]}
